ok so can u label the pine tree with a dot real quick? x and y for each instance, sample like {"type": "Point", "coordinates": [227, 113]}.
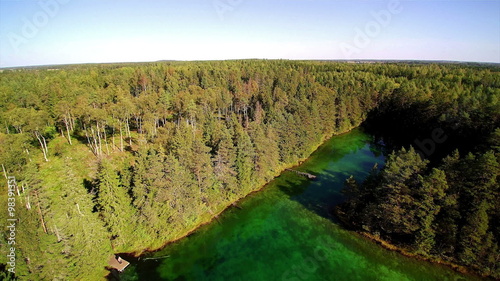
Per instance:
{"type": "Point", "coordinates": [399, 181]}
{"type": "Point", "coordinates": [225, 163]}
{"type": "Point", "coordinates": [473, 234]}
{"type": "Point", "coordinates": [244, 159]}
{"type": "Point", "coordinates": [429, 200]}
{"type": "Point", "coordinates": [115, 206]}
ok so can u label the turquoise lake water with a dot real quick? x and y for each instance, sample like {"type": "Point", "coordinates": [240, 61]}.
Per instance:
{"type": "Point", "coordinates": [286, 232]}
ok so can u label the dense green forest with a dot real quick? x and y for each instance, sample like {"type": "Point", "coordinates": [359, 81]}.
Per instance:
{"type": "Point", "coordinates": [439, 195]}
{"type": "Point", "coordinates": [126, 157]}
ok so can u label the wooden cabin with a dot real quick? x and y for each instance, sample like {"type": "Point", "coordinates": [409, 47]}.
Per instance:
{"type": "Point", "coordinates": [118, 263]}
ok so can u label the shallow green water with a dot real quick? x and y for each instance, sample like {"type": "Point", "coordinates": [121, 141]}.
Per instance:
{"type": "Point", "coordinates": [285, 232]}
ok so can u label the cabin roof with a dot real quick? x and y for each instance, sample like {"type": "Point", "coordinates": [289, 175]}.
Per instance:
{"type": "Point", "coordinates": [118, 263]}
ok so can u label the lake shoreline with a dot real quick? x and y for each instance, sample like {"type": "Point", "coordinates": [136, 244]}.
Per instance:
{"type": "Point", "coordinates": [389, 246]}
{"type": "Point", "coordinates": [365, 235]}
{"type": "Point", "coordinates": [338, 214]}
{"type": "Point", "coordinates": [214, 216]}
{"type": "Point", "coordinates": [222, 239]}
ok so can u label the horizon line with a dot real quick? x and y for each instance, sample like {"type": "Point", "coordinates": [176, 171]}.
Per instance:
{"type": "Point", "coordinates": [443, 61]}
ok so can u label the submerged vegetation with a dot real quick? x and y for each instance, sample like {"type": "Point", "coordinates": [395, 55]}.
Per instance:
{"type": "Point", "coordinates": [126, 157]}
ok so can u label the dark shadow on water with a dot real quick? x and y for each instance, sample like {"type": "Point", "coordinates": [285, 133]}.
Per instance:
{"type": "Point", "coordinates": [332, 163]}
{"type": "Point", "coordinates": [325, 192]}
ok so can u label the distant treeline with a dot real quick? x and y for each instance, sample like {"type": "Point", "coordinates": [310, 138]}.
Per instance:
{"type": "Point", "coordinates": [124, 158]}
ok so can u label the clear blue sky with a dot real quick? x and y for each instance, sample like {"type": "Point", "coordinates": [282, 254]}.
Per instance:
{"type": "Point", "coordinates": [77, 31]}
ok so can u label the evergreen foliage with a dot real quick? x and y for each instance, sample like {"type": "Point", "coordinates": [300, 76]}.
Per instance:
{"type": "Point", "coordinates": [126, 157]}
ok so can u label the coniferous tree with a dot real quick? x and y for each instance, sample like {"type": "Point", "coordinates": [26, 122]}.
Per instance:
{"type": "Point", "coordinates": [115, 206]}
